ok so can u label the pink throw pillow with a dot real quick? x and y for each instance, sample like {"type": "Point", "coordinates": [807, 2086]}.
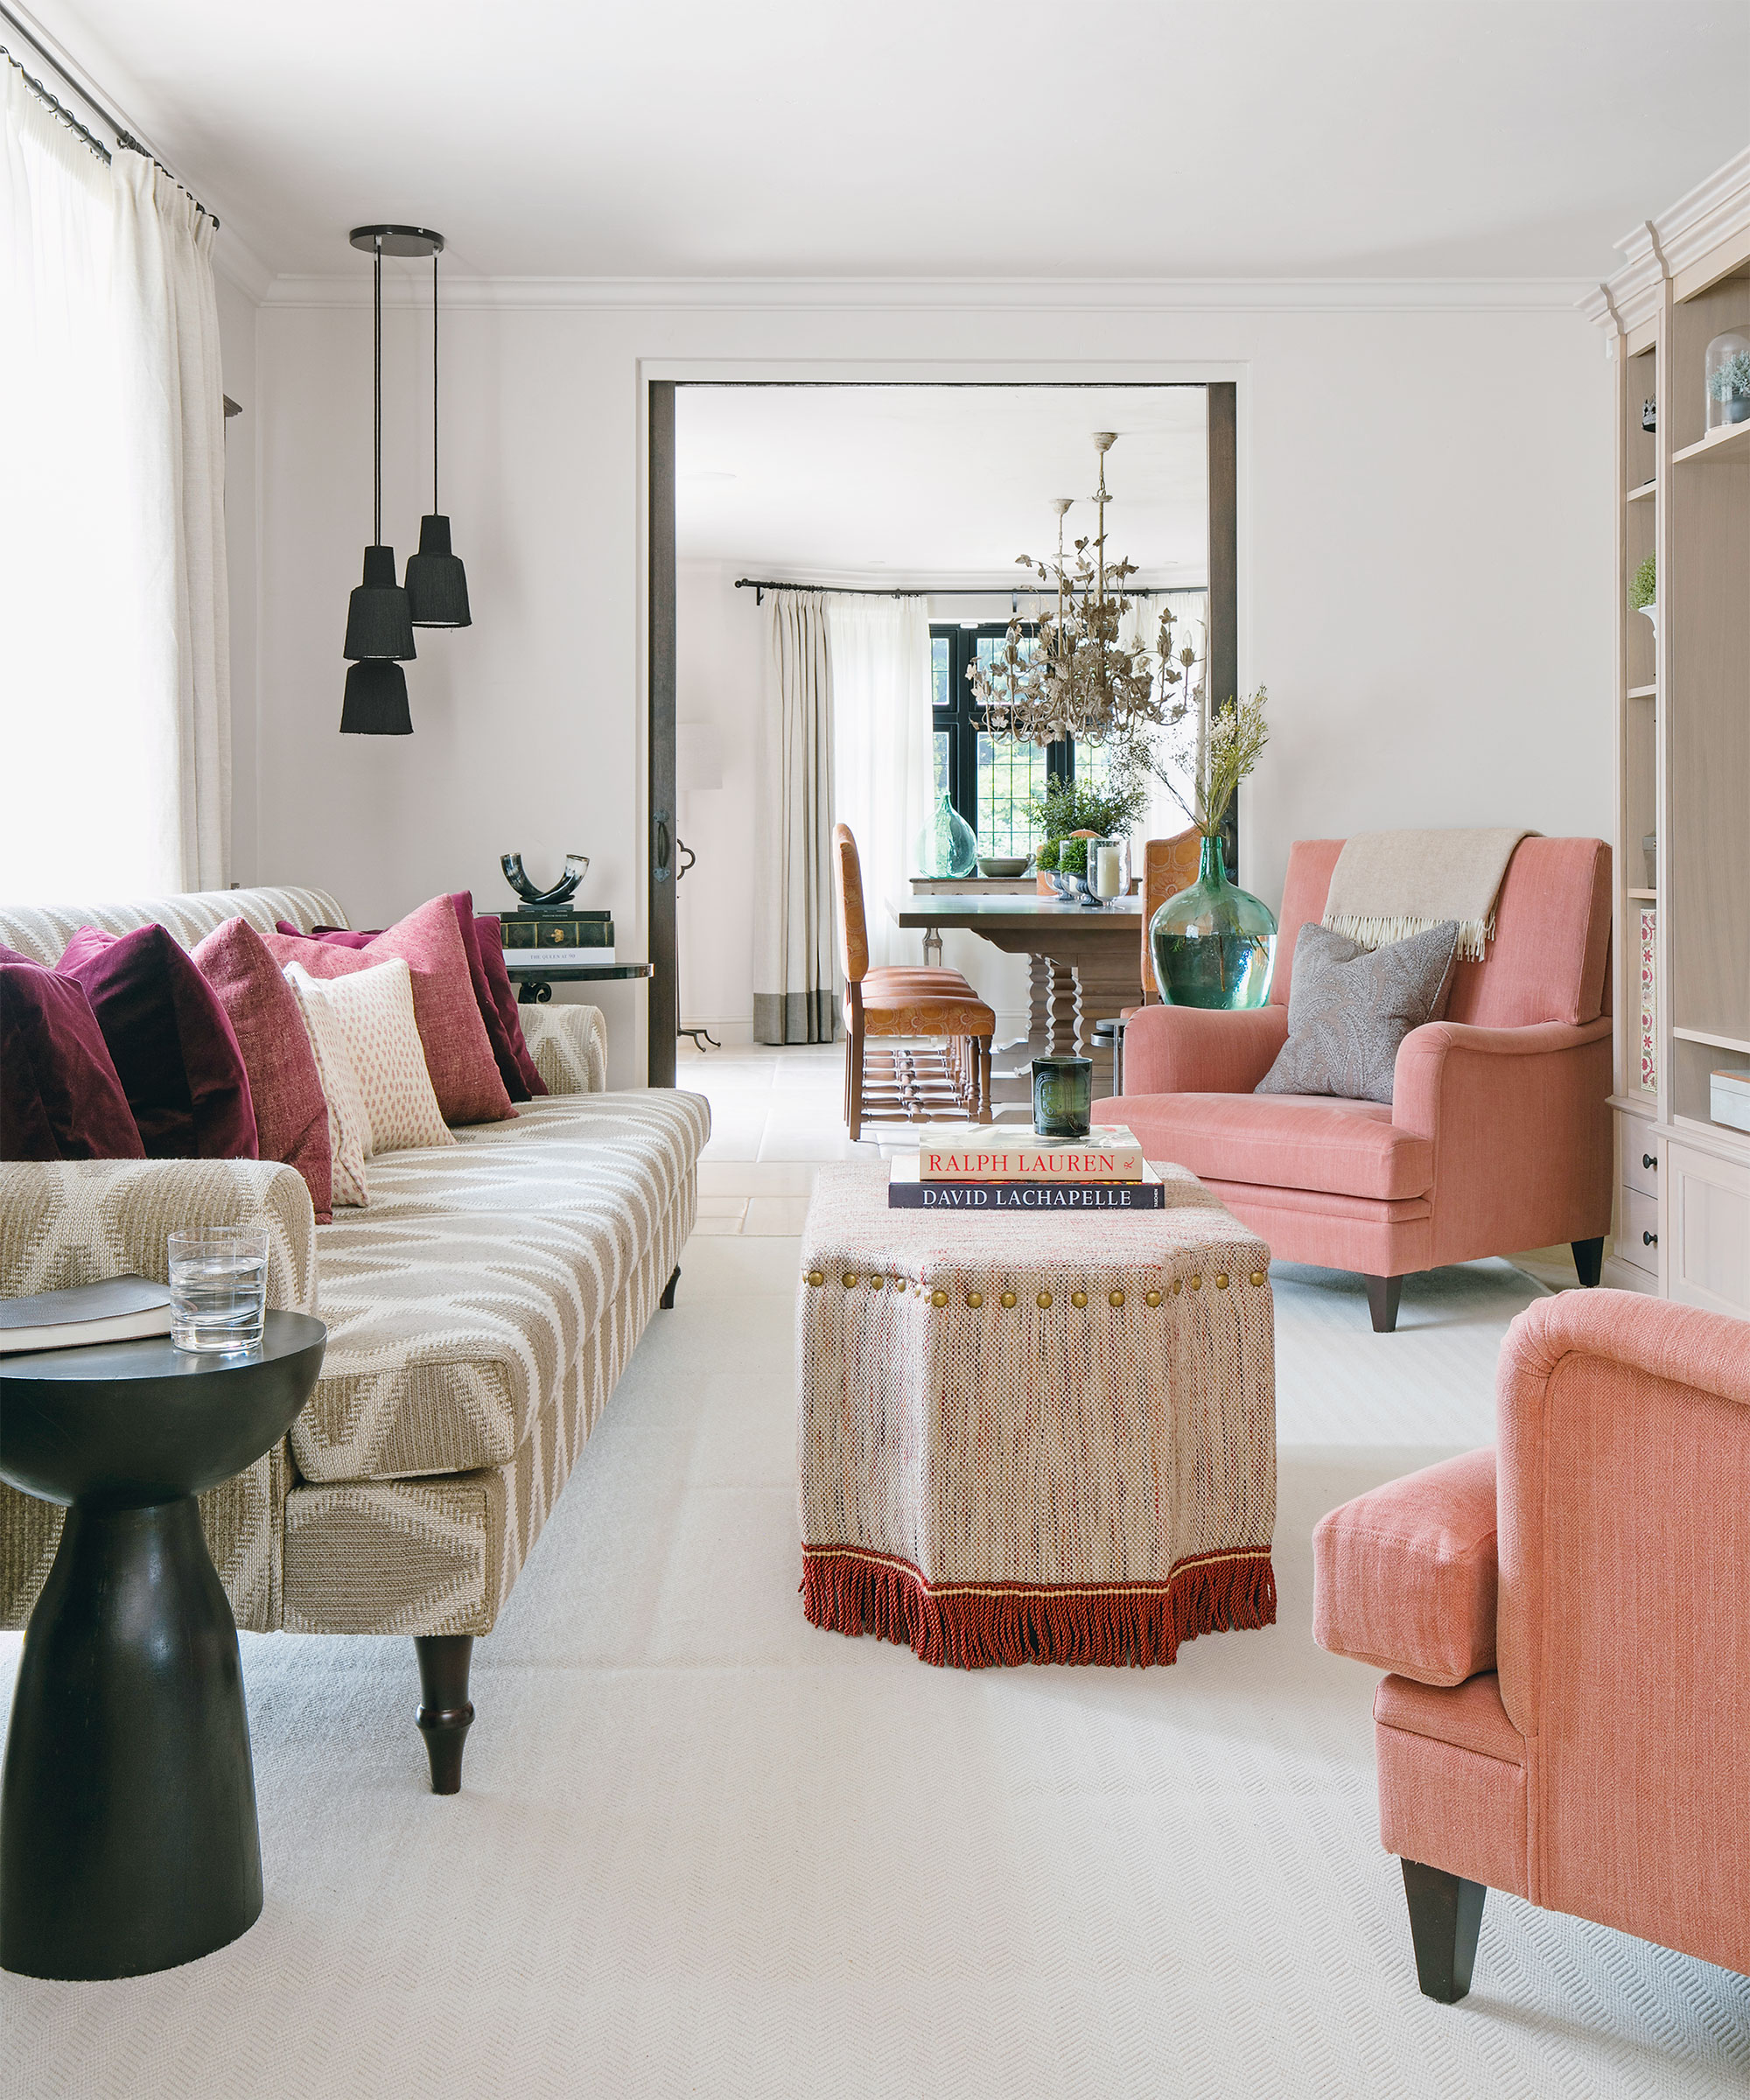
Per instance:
{"type": "Point", "coordinates": [292, 1117]}
{"type": "Point", "coordinates": [459, 1055]}
{"type": "Point", "coordinates": [491, 936]}
{"type": "Point", "coordinates": [60, 1096]}
{"type": "Point", "coordinates": [507, 1042]}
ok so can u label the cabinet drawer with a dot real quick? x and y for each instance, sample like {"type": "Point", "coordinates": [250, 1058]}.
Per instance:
{"type": "Point", "coordinates": [1640, 1217]}
{"type": "Point", "coordinates": [1640, 1150]}
{"type": "Point", "coordinates": [1707, 1231]}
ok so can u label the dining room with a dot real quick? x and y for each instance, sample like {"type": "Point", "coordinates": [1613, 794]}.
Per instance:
{"type": "Point", "coordinates": [863, 576]}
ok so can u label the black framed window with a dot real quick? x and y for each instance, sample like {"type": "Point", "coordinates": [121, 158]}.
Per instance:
{"type": "Point", "coordinates": [990, 781]}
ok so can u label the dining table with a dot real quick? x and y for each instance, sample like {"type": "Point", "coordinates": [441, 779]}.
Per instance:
{"type": "Point", "coordinates": [1085, 966]}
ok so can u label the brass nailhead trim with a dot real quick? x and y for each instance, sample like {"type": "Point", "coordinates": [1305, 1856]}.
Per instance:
{"type": "Point", "coordinates": [876, 1281]}
{"type": "Point", "coordinates": [1151, 1298]}
{"type": "Point", "coordinates": [1045, 1301]}
{"type": "Point", "coordinates": [1115, 1298]}
{"type": "Point", "coordinates": [1197, 1283]}
{"type": "Point", "coordinates": [849, 1280]}
{"type": "Point", "coordinates": [974, 1299]}
{"type": "Point", "coordinates": [1221, 1283]}
{"type": "Point", "coordinates": [1177, 1284]}
{"type": "Point", "coordinates": [1078, 1299]}
{"type": "Point", "coordinates": [938, 1298]}
{"type": "Point", "coordinates": [816, 1277]}
{"type": "Point", "coordinates": [1258, 1276]}
{"type": "Point", "coordinates": [1008, 1297]}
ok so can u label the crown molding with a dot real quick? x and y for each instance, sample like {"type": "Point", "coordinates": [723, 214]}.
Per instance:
{"type": "Point", "coordinates": [1658, 249]}
{"type": "Point", "coordinates": [929, 295]}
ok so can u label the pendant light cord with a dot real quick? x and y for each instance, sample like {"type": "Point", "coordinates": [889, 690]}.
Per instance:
{"type": "Point", "coordinates": [377, 400]}
{"type": "Point", "coordinates": [434, 382]}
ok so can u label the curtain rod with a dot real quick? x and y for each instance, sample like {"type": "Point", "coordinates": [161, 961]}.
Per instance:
{"type": "Point", "coordinates": [760, 586]}
{"type": "Point", "coordinates": [125, 139]}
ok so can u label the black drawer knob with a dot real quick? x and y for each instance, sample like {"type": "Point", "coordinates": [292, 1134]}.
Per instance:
{"type": "Point", "coordinates": [1649, 1163]}
{"type": "Point", "coordinates": [1649, 1239]}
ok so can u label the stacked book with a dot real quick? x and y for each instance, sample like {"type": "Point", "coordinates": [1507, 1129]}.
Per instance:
{"type": "Point", "coordinates": [960, 1169]}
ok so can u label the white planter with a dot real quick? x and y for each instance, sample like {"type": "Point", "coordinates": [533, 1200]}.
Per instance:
{"type": "Point", "coordinates": [1650, 613]}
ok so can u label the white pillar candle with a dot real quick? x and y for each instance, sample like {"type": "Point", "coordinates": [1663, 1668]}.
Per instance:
{"type": "Point", "coordinates": [1107, 877]}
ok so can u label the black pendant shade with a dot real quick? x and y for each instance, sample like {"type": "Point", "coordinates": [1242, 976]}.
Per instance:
{"type": "Point", "coordinates": [378, 619]}
{"type": "Point", "coordinates": [436, 583]}
{"type": "Point", "coordinates": [375, 704]}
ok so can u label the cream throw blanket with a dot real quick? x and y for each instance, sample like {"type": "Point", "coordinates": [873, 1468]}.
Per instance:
{"type": "Point", "coordinates": [1389, 884]}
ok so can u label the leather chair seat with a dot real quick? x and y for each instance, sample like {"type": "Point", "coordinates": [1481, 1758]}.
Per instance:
{"type": "Point", "coordinates": [899, 1010]}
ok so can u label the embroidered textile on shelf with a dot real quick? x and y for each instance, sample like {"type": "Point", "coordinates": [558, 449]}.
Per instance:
{"type": "Point", "coordinates": [1389, 885]}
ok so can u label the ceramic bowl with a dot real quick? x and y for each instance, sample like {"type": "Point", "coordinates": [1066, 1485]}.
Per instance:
{"type": "Point", "coordinates": [1002, 867]}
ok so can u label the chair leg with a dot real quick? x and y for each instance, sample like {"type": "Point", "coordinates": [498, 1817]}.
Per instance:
{"type": "Point", "coordinates": [1588, 1260]}
{"type": "Point", "coordinates": [1446, 1916]}
{"type": "Point", "coordinates": [1383, 1292]}
{"type": "Point", "coordinates": [445, 1711]}
{"type": "Point", "coordinates": [853, 1107]}
{"type": "Point", "coordinates": [667, 1300]}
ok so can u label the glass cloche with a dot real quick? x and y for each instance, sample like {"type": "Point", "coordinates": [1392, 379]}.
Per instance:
{"type": "Point", "coordinates": [1728, 379]}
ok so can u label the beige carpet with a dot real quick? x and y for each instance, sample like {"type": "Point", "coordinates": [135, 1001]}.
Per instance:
{"type": "Point", "coordinates": [705, 1848]}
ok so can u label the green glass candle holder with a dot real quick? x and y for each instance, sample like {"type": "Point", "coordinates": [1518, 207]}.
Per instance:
{"type": "Point", "coordinates": [1063, 1096]}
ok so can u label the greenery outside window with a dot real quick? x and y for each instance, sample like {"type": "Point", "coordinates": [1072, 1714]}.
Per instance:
{"type": "Point", "coordinates": [990, 781]}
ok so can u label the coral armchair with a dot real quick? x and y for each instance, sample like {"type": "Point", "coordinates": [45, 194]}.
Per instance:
{"type": "Point", "coordinates": [1498, 1138]}
{"type": "Point", "coordinates": [1569, 1704]}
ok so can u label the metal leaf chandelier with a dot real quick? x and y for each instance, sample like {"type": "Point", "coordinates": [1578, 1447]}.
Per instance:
{"type": "Point", "coordinates": [1076, 679]}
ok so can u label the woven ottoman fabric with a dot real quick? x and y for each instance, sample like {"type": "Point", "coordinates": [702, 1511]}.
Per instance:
{"type": "Point", "coordinates": [1026, 1438]}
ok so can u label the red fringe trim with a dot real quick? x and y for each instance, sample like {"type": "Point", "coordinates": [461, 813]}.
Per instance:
{"type": "Point", "coordinates": [849, 1590]}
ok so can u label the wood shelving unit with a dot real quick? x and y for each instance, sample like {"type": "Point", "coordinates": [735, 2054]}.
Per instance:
{"type": "Point", "coordinates": [1683, 755]}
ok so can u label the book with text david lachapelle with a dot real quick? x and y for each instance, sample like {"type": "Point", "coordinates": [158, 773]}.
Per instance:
{"type": "Point", "coordinates": [1109, 1152]}
{"type": "Point", "coordinates": [907, 1190]}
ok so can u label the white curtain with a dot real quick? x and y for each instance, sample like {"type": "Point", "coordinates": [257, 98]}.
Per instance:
{"type": "Point", "coordinates": [882, 751]}
{"type": "Point", "coordinates": [115, 668]}
{"type": "Point", "coordinates": [796, 979]}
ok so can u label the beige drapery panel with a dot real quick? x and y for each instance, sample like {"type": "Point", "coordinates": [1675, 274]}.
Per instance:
{"type": "Point", "coordinates": [795, 969]}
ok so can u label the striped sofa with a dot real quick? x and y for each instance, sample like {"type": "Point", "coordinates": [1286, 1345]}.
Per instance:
{"type": "Point", "coordinates": [479, 1312]}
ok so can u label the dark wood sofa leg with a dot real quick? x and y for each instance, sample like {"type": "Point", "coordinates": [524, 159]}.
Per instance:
{"type": "Point", "coordinates": [667, 1300]}
{"type": "Point", "coordinates": [1446, 1916]}
{"type": "Point", "coordinates": [445, 1711]}
{"type": "Point", "coordinates": [1383, 1292]}
{"type": "Point", "coordinates": [1588, 1260]}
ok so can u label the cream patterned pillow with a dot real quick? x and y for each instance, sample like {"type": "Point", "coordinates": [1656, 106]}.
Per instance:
{"type": "Point", "coordinates": [349, 1124]}
{"type": "Point", "coordinates": [375, 1009]}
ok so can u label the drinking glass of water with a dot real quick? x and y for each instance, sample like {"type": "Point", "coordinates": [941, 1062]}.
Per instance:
{"type": "Point", "coordinates": [218, 1287]}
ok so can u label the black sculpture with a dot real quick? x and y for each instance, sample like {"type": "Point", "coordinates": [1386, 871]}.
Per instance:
{"type": "Point", "coordinates": [577, 866]}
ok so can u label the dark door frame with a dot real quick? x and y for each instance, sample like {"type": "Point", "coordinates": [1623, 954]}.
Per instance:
{"type": "Point", "coordinates": [664, 1011]}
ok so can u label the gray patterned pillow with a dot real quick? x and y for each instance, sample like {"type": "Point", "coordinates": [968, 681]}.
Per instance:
{"type": "Point", "coordinates": [1350, 1007]}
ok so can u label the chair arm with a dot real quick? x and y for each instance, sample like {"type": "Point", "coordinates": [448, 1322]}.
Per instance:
{"type": "Point", "coordinates": [77, 1222]}
{"type": "Point", "coordinates": [1430, 1057]}
{"type": "Point", "coordinates": [569, 1045]}
{"type": "Point", "coordinates": [1193, 1050]}
{"type": "Point", "coordinates": [1404, 1578]}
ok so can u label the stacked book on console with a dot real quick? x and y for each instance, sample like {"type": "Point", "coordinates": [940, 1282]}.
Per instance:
{"type": "Point", "coordinates": [958, 1169]}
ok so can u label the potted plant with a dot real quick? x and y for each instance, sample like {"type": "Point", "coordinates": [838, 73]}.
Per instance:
{"type": "Point", "coordinates": [1644, 593]}
{"type": "Point", "coordinates": [1072, 812]}
{"type": "Point", "coordinates": [1728, 378]}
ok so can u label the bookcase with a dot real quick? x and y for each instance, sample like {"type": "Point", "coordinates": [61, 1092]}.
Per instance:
{"type": "Point", "coordinates": [1682, 926]}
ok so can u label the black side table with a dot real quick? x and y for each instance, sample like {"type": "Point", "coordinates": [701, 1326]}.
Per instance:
{"type": "Point", "coordinates": [128, 1835]}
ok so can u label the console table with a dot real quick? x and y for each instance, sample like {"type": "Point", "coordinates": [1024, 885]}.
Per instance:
{"type": "Point", "coordinates": [535, 976]}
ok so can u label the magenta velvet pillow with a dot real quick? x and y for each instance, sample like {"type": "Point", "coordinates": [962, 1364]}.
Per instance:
{"type": "Point", "coordinates": [60, 1096]}
{"type": "Point", "coordinates": [291, 1116]}
{"type": "Point", "coordinates": [490, 936]}
{"type": "Point", "coordinates": [459, 1055]}
{"type": "Point", "coordinates": [507, 1042]}
{"type": "Point", "coordinates": [174, 1050]}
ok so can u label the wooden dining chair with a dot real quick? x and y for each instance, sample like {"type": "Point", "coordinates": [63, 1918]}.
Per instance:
{"type": "Point", "coordinates": [1169, 866]}
{"type": "Point", "coordinates": [898, 1008]}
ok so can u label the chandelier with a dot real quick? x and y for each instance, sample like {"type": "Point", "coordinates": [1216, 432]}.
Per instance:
{"type": "Point", "coordinates": [1076, 679]}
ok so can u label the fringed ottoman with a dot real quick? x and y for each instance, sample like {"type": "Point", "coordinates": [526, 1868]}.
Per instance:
{"type": "Point", "coordinates": [1030, 1438]}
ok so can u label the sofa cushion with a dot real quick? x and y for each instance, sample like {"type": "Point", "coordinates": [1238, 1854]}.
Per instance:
{"type": "Point", "coordinates": [374, 1010]}
{"type": "Point", "coordinates": [489, 937]}
{"type": "Point", "coordinates": [1405, 1578]}
{"type": "Point", "coordinates": [1343, 1148]}
{"type": "Point", "coordinates": [457, 1303]}
{"type": "Point", "coordinates": [174, 1050]}
{"type": "Point", "coordinates": [1470, 1716]}
{"type": "Point", "coordinates": [291, 1116]}
{"type": "Point", "coordinates": [1351, 1007]}
{"type": "Point", "coordinates": [60, 1095]}
{"type": "Point", "coordinates": [349, 1122]}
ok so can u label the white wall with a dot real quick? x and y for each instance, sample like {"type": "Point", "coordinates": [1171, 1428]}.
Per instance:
{"type": "Point", "coordinates": [237, 357]}
{"type": "Point", "coordinates": [1426, 578]}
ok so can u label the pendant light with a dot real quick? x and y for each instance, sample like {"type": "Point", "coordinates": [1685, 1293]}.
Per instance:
{"type": "Point", "coordinates": [436, 583]}
{"type": "Point", "coordinates": [379, 619]}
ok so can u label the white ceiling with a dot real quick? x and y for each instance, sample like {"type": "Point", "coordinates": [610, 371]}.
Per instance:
{"type": "Point", "coordinates": [841, 483]}
{"type": "Point", "coordinates": [1126, 138]}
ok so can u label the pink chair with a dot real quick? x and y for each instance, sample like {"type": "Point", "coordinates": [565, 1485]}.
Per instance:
{"type": "Point", "coordinates": [1568, 1712]}
{"type": "Point", "coordinates": [1499, 1138]}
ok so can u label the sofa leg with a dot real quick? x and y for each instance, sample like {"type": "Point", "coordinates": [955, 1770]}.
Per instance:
{"type": "Point", "coordinates": [1445, 1915]}
{"type": "Point", "coordinates": [667, 1300]}
{"type": "Point", "coordinates": [445, 1711]}
{"type": "Point", "coordinates": [1588, 1260]}
{"type": "Point", "coordinates": [1383, 1292]}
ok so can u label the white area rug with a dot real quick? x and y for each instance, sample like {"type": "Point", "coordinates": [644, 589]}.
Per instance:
{"type": "Point", "coordinates": [706, 1849]}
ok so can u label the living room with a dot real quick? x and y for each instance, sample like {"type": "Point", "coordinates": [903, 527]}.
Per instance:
{"type": "Point", "coordinates": [640, 1610]}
